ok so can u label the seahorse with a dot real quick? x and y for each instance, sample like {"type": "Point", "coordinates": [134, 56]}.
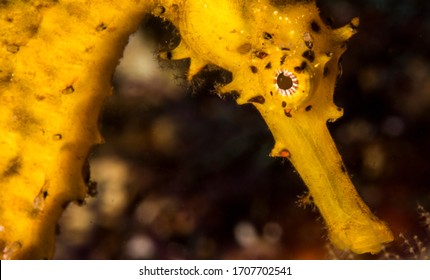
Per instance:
{"type": "Point", "coordinates": [283, 59]}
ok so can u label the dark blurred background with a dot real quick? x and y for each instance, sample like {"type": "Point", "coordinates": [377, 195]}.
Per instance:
{"type": "Point", "coordinates": [185, 174]}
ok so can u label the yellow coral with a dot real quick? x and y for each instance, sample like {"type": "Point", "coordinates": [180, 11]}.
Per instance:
{"type": "Point", "coordinates": [56, 62]}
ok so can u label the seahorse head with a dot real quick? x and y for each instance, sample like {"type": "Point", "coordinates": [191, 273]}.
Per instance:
{"type": "Point", "coordinates": [293, 59]}
{"type": "Point", "coordinates": [281, 53]}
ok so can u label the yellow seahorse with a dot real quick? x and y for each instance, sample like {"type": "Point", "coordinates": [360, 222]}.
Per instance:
{"type": "Point", "coordinates": [56, 59]}
{"type": "Point", "coordinates": [284, 60]}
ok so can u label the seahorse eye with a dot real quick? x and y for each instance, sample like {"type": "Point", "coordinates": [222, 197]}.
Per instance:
{"type": "Point", "coordinates": [286, 82]}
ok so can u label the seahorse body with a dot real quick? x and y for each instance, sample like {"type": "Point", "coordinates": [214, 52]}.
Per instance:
{"type": "Point", "coordinates": [284, 60]}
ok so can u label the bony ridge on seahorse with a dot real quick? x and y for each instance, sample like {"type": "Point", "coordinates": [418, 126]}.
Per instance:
{"type": "Point", "coordinates": [285, 61]}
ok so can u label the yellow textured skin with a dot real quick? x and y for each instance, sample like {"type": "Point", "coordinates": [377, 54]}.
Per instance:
{"type": "Point", "coordinates": [56, 61]}
{"type": "Point", "coordinates": [56, 64]}
{"type": "Point", "coordinates": [255, 41]}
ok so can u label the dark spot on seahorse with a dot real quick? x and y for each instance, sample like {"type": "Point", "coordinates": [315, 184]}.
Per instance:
{"type": "Point", "coordinates": [244, 49]}
{"type": "Point", "coordinates": [45, 194]}
{"type": "Point", "coordinates": [285, 153]}
{"type": "Point", "coordinates": [299, 69]}
{"type": "Point", "coordinates": [325, 71]}
{"type": "Point", "coordinates": [315, 26]}
{"type": "Point", "coordinates": [254, 69]}
{"type": "Point", "coordinates": [260, 54]}
{"type": "Point", "coordinates": [308, 108]}
{"type": "Point", "coordinates": [102, 26]}
{"type": "Point", "coordinates": [339, 109]}
{"type": "Point", "coordinates": [57, 137]}
{"type": "Point", "coordinates": [169, 55]}
{"type": "Point", "coordinates": [287, 113]}
{"type": "Point", "coordinates": [13, 167]}
{"type": "Point", "coordinates": [309, 55]}
{"type": "Point", "coordinates": [284, 104]}
{"type": "Point", "coordinates": [268, 65]}
{"type": "Point", "coordinates": [285, 49]}
{"type": "Point", "coordinates": [267, 36]}
{"type": "Point", "coordinates": [68, 90]}
{"type": "Point", "coordinates": [283, 59]}
{"type": "Point", "coordinates": [80, 201]}
{"type": "Point", "coordinates": [257, 99]}
{"type": "Point", "coordinates": [271, 93]}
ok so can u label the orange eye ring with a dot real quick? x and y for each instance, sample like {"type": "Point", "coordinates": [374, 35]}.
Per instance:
{"type": "Point", "coordinates": [286, 83]}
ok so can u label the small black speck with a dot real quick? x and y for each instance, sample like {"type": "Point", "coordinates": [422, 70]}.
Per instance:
{"type": "Point", "coordinates": [299, 69]}
{"type": "Point", "coordinates": [308, 108]}
{"type": "Point", "coordinates": [257, 99]}
{"type": "Point", "coordinates": [268, 65]}
{"type": "Point", "coordinates": [45, 194]}
{"type": "Point", "coordinates": [169, 55]}
{"type": "Point", "coordinates": [284, 104]}
{"type": "Point", "coordinates": [285, 49]}
{"type": "Point", "coordinates": [254, 69]}
{"type": "Point", "coordinates": [267, 36]}
{"type": "Point", "coordinates": [315, 26]}
{"type": "Point", "coordinates": [271, 93]}
{"type": "Point", "coordinates": [283, 59]}
{"type": "Point", "coordinates": [309, 55]}
{"type": "Point", "coordinates": [102, 26]}
{"type": "Point", "coordinates": [288, 113]}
